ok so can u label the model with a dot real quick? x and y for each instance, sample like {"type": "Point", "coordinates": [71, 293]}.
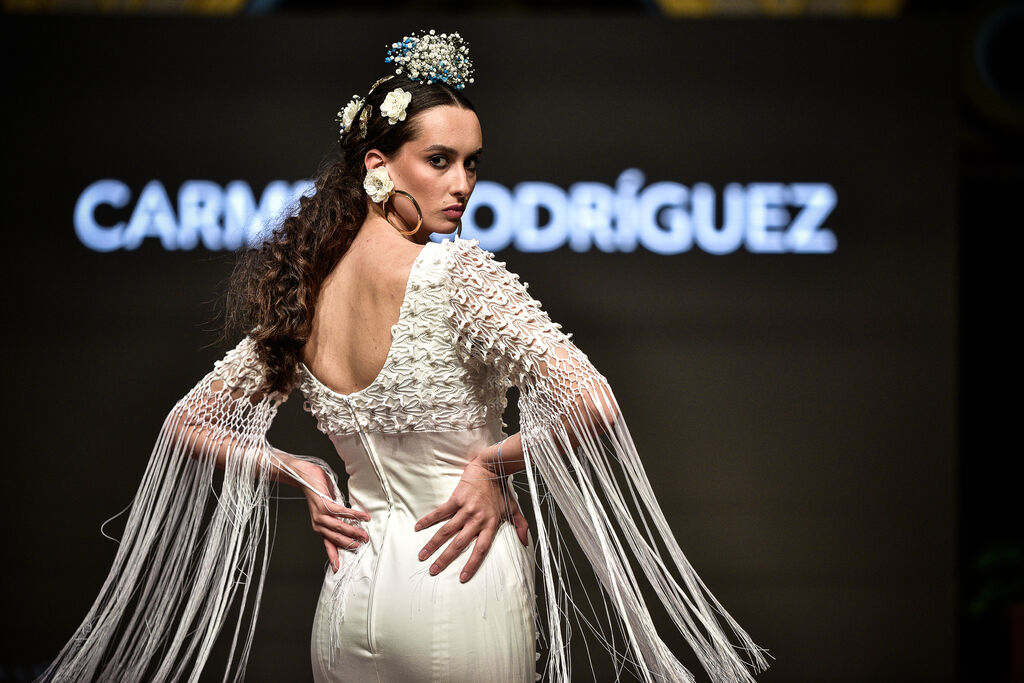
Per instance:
{"type": "Point", "coordinates": [404, 349]}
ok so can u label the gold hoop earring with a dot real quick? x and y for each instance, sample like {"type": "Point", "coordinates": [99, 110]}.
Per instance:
{"type": "Point", "coordinates": [419, 214]}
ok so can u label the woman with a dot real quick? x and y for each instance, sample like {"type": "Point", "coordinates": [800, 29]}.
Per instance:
{"type": "Point", "coordinates": [404, 350]}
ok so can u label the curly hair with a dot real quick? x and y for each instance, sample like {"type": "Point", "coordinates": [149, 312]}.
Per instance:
{"type": "Point", "coordinates": [274, 287]}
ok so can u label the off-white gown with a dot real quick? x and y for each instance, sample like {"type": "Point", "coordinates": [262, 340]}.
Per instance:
{"type": "Point", "coordinates": [404, 441]}
{"type": "Point", "coordinates": [467, 331]}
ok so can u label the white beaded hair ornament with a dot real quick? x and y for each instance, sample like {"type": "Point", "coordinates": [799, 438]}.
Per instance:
{"type": "Point", "coordinates": [432, 57]}
{"type": "Point", "coordinates": [424, 57]}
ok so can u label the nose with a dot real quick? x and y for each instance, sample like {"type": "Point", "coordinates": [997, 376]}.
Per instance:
{"type": "Point", "coordinates": [460, 183]}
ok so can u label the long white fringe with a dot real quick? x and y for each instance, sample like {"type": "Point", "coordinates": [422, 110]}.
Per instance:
{"type": "Point", "coordinates": [187, 549]}
{"type": "Point", "coordinates": [189, 553]}
{"type": "Point", "coordinates": [604, 496]}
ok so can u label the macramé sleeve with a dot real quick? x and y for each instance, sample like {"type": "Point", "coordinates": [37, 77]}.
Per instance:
{"type": "Point", "coordinates": [576, 445]}
{"type": "Point", "coordinates": [190, 553]}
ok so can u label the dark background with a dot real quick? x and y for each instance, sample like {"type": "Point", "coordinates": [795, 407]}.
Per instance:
{"type": "Point", "coordinates": [798, 414]}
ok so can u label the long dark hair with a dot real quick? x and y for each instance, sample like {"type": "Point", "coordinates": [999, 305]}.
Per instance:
{"type": "Point", "coordinates": [274, 287]}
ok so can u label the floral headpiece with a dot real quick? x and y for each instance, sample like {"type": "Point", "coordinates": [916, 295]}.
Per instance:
{"type": "Point", "coordinates": [424, 57]}
{"type": "Point", "coordinates": [433, 57]}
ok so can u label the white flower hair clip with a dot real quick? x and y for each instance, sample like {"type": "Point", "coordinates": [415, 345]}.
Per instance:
{"type": "Point", "coordinates": [378, 184]}
{"type": "Point", "coordinates": [395, 104]}
{"type": "Point", "coordinates": [427, 56]}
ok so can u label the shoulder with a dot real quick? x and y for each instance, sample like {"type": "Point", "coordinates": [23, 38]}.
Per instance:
{"type": "Point", "coordinates": [462, 252]}
{"type": "Point", "coordinates": [470, 265]}
{"type": "Point", "coordinates": [393, 261]}
{"type": "Point", "coordinates": [375, 267]}
{"type": "Point", "coordinates": [481, 287]}
{"type": "Point", "coordinates": [242, 368]}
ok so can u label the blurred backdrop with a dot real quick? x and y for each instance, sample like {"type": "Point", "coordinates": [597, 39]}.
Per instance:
{"type": "Point", "coordinates": [765, 222]}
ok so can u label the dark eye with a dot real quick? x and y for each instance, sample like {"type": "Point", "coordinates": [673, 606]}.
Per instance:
{"type": "Point", "coordinates": [438, 161]}
{"type": "Point", "coordinates": [472, 163]}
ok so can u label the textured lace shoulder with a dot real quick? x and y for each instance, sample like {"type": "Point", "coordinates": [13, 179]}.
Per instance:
{"type": "Point", "coordinates": [497, 323]}
{"type": "Point", "coordinates": [241, 369]}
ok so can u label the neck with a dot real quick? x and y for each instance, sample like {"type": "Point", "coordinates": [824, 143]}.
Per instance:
{"type": "Point", "coordinates": [376, 215]}
{"type": "Point", "coordinates": [377, 227]}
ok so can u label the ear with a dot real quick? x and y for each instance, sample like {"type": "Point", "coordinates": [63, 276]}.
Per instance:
{"type": "Point", "coordinates": [373, 159]}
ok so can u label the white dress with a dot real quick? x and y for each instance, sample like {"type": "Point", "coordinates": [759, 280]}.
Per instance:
{"type": "Point", "coordinates": [404, 440]}
{"type": "Point", "coordinates": [467, 331]}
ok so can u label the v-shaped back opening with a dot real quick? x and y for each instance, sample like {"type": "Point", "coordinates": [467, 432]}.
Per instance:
{"type": "Point", "coordinates": [402, 313]}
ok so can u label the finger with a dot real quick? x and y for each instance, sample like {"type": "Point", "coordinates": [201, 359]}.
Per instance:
{"type": "Point", "coordinates": [332, 555]}
{"type": "Point", "coordinates": [454, 549]}
{"type": "Point", "coordinates": [518, 520]}
{"type": "Point", "coordinates": [337, 509]}
{"type": "Point", "coordinates": [322, 521]}
{"type": "Point", "coordinates": [442, 535]}
{"type": "Point", "coordinates": [328, 506]}
{"type": "Point", "coordinates": [438, 514]}
{"type": "Point", "coordinates": [341, 541]}
{"type": "Point", "coordinates": [335, 524]}
{"type": "Point", "coordinates": [480, 550]}
{"type": "Point", "coordinates": [522, 527]}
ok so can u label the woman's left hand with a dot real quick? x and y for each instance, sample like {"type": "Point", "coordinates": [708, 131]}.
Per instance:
{"type": "Point", "coordinates": [338, 525]}
{"type": "Point", "coordinates": [475, 510]}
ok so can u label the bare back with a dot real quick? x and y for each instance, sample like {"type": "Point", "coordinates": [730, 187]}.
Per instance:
{"type": "Point", "coordinates": [359, 302]}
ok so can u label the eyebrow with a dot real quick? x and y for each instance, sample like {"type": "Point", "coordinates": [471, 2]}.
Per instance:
{"type": "Point", "coordinates": [448, 150]}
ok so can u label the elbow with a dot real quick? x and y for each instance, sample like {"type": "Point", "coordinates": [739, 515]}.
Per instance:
{"type": "Point", "coordinates": [185, 432]}
{"type": "Point", "coordinates": [600, 406]}
{"type": "Point", "coordinates": [193, 433]}
{"type": "Point", "coordinates": [606, 406]}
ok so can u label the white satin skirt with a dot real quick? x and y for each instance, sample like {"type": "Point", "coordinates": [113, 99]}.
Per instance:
{"type": "Point", "coordinates": [382, 617]}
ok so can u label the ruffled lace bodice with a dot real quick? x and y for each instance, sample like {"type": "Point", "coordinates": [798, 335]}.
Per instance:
{"type": "Point", "coordinates": [425, 383]}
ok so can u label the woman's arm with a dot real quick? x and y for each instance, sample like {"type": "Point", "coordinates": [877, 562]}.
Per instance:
{"type": "Point", "coordinates": [475, 511]}
{"type": "Point", "coordinates": [193, 545]}
{"type": "Point", "coordinates": [501, 459]}
{"type": "Point", "coordinates": [194, 551]}
{"type": "Point", "coordinates": [481, 501]}
{"type": "Point", "coordinates": [202, 435]}
{"type": "Point", "coordinates": [506, 457]}
{"type": "Point", "coordinates": [490, 309]}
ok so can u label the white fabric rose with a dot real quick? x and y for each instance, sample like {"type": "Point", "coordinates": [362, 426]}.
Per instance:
{"type": "Point", "coordinates": [378, 184]}
{"type": "Point", "coordinates": [348, 115]}
{"type": "Point", "coordinates": [394, 105]}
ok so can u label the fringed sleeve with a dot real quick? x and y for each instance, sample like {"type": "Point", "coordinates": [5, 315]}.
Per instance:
{"type": "Point", "coordinates": [190, 553]}
{"type": "Point", "coordinates": [577, 448]}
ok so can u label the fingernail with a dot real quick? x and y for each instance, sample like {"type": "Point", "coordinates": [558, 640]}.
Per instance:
{"type": "Point", "coordinates": [434, 569]}
{"type": "Point", "coordinates": [423, 555]}
{"type": "Point", "coordinates": [464, 576]}
{"type": "Point", "coordinates": [417, 527]}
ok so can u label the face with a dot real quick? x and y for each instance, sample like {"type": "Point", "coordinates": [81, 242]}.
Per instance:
{"type": "Point", "coordinates": [438, 167]}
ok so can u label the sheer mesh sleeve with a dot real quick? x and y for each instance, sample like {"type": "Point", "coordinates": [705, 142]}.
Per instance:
{"type": "Point", "coordinates": [189, 552]}
{"type": "Point", "coordinates": [577, 447]}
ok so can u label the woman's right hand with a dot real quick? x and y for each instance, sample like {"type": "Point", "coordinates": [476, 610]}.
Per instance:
{"type": "Point", "coordinates": [326, 515]}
